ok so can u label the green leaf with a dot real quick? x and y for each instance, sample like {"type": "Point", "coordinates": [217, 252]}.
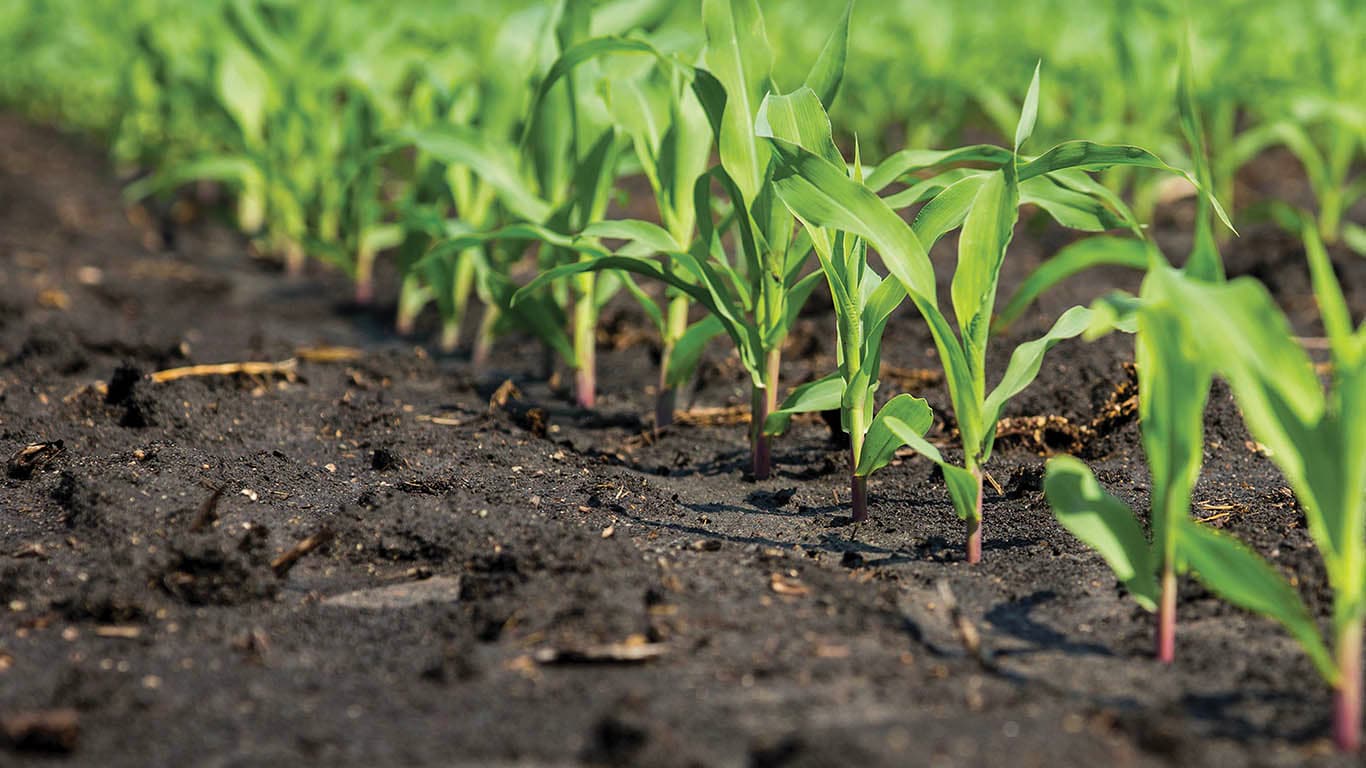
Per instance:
{"type": "Point", "coordinates": [964, 487]}
{"type": "Point", "coordinates": [915, 161]}
{"type": "Point", "coordinates": [828, 71]}
{"type": "Point", "coordinates": [1173, 385]}
{"type": "Point", "coordinates": [880, 443]}
{"type": "Point", "coordinates": [821, 193]}
{"type": "Point", "coordinates": [987, 231]}
{"type": "Point", "coordinates": [798, 118]}
{"type": "Point", "coordinates": [1027, 358]}
{"type": "Point", "coordinates": [738, 55]}
{"type": "Point", "coordinates": [1073, 259]}
{"type": "Point", "coordinates": [1103, 523]}
{"type": "Point", "coordinates": [823, 394]}
{"type": "Point", "coordinates": [230, 169]}
{"type": "Point", "coordinates": [1333, 309]}
{"type": "Point", "coordinates": [244, 87]}
{"type": "Point", "coordinates": [1029, 113]}
{"type": "Point", "coordinates": [947, 210]}
{"type": "Point", "coordinates": [648, 234]}
{"type": "Point", "coordinates": [1070, 208]}
{"type": "Point", "coordinates": [1354, 237]}
{"type": "Point", "coordinates": [687, 351]}
{"type": "Point", "coordinates": [1242, 577]}
{"type": "Point", "coordinates": [459, 146]}
{"type": "Point", "coordinates": [1090, 156]}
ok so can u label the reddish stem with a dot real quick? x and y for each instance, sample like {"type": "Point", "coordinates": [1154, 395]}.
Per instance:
{"type": "Point", "coordinates": [585, 386]}
{"type": "Point", "coordinates": [1347, 693]}
{"type": "Point", "coordinates": [975, 524]}
{"type": "Point", "coordinates": [859, 488]}
{"type": "Point", "coordinates": [1166, 616]}
{"type": "Point", "coordinates": [974, 541]}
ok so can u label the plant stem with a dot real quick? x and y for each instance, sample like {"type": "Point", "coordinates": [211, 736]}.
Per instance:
{"type": "Point", "coordinates": [461, 288]}
{"type": "Point", "coordinates": [483, 344]}
{"type": "Point", "coordinates": [1166, 615]}
{"type": "Point", "coordinates": [365, 275]}
{"type": "Point", "coordinates": [858, 484]}
{"type": "Point", "coordinates": [763, 402]}
{"type": "Point", "coordinates": [295, 259]}
{"type": "Point", "coordinates": [974, 522]}
{"type": "Point", "coordinates": [858, 487]}
{"type": "Point", "coordinates": [1347, 693]}
{"type": "Point", "coordinates": [1330, 216]}
{"type": "Point", "coordinates": [585, 340]}
{"type": "Point", "coordinates": [666, 399]}
{"type": "Point", "coordinates": [411, 299]}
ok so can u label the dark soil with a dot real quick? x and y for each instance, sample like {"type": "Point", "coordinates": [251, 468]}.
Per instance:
{"type": "Point", "coordinates": [535, 584]}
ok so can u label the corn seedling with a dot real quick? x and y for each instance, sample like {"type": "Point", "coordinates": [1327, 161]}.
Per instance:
{"type": "Point", "coordinates": [985, 204]}
{"type": "Point", "coordinates": [863, 300]}
{"type": "Point", "coordinates": [1315, 439]}
{"type": "Point", "coordinates": [756, 303]}
{"type": "Point", "coordinates": [1173, 386]}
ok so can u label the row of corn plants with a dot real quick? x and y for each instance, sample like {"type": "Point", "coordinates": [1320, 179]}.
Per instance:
{"type": "Point", "coordinates": [485, 150]}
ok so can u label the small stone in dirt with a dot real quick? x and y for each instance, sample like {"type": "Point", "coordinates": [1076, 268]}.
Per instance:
{"type": "Point", "coordinates": [42, 730]}
{"type": "Point", "coordinates": [383, 460]}
{"type": "Point", "coordinates": [32, 458]}
{"type": "Point", "coordinates": [851, 559]}
{"type": "Point", "coordinates": [706, 545]}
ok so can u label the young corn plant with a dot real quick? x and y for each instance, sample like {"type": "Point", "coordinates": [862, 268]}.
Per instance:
{"type": "Point", "coordinates": [555, 177]}
{"type": "Point", "coordinates": [1322, 123]}
{"type": "Point", "coordinates": [466, 116]}
{"type": "Point", "coordinates": [1316, 440]}
{"type": "Point", "coordinates": [984, 203]}
{"type": "Point", "coordinates": [755, 298]}
{"type": "Point", "coordinates": [1173, 386]}
{"type": "Point", "coordinates": [1174, 379]}
{"type": "Point", "coordinates": [864, 301]}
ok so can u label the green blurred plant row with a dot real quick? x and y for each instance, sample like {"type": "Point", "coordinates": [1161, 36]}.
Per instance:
{"type": "Point", "coordinates": [490, 148]}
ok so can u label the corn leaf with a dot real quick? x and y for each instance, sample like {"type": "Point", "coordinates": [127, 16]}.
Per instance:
{"type": "Point", "coordinates": [823, 394]}
{"type": "Point", "coordinates": [881, 442]}
{"type": "Point", "coordinates": [1071, 260]}
{"type": "Point", "coordinates": [828, 71]}
{"type": "Point", "coordinates": [738, 56]}
{"type": "Point", "coordinates": [687, 351]}
{"type": "Point", "coordinates": [1242, 577]}
{"type": "Point", "coordinates": [1104, 523]}
{"type": "Point", "coordinates": [962, 484]}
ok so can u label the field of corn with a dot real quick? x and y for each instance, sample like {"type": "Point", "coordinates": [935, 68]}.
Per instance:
{"type": "Point", "coordinates": [718, 382]}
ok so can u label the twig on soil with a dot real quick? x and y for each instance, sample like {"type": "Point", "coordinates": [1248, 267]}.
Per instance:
{"type": "Point", "coordinates": [327, 354]}
{"type": "Point", "coordinates": [283, 368]}
{"type": "Point", "coordinates": [286, 561]}
{"type": "Point", "coordinates": [633, 651]}
{"type": "Point", "coordinates": [208, 511]}
{"type": "Point", "coordinates": [729, 415]}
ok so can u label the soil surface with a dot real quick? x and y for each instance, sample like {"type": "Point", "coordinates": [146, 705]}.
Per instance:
{"type": "Point", "coordinates": [358, 561]}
